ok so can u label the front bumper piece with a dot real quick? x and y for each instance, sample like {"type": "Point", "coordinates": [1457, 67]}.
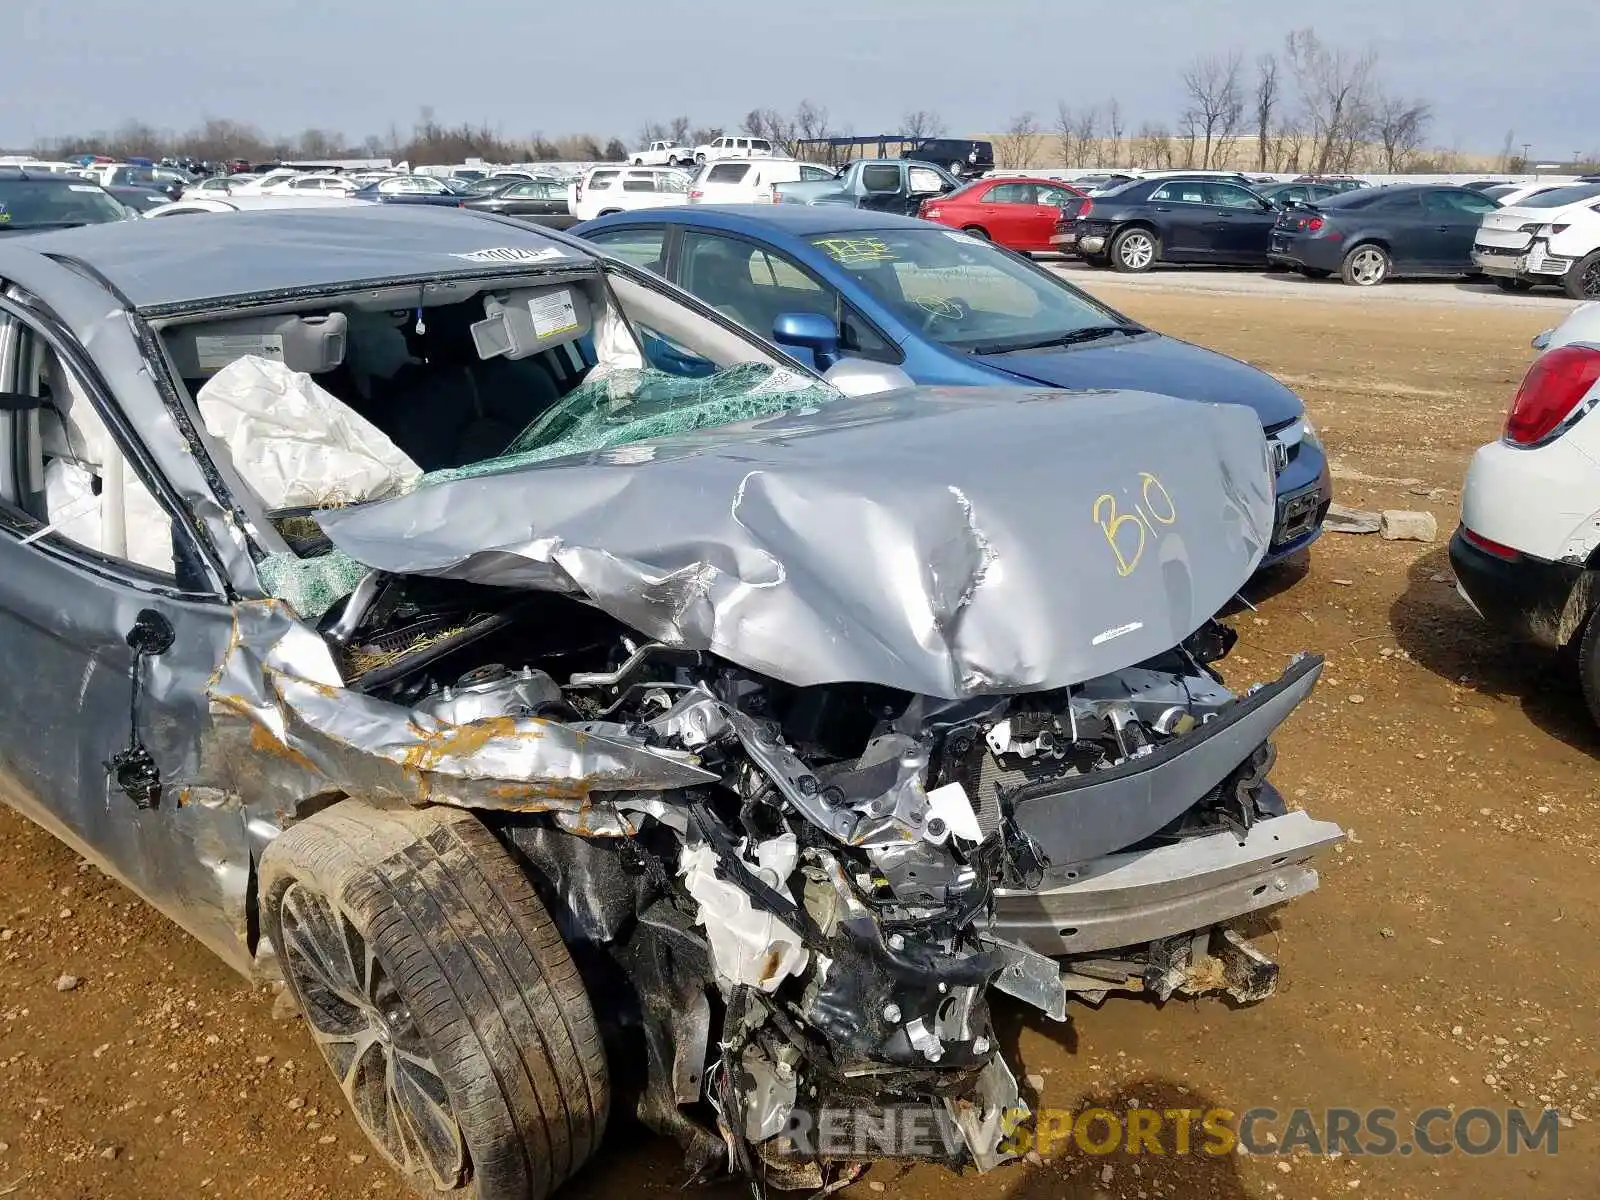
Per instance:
{"type": "Point", "coordinates": [1535, 261]}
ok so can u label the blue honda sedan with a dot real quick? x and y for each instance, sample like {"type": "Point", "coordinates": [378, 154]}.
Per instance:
{"type": "Point", "coordinates": [828, 282]}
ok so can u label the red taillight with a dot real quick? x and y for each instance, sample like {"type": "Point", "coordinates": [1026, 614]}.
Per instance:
{"type": "Point", "coordinates": [1554, 386]}
{"type": "Point", "coordinates": [1085, 207]}
{"type": "Point", "coordinates": [1489, 546]}
{"type": "Point", "coordinates": [1314, 225]}
{"type": "Point", "coordinates": [696, 194]}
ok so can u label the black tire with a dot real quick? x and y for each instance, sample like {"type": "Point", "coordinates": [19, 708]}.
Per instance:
{"type": "Point", "coordinates": [1366, 265]}
{"type": "Point", "coordinates": [1582, 280]}
{"type": "Point", "coordinates": [638, 162]}
{"type": "Point", "coordinates": [977, 231]}
{"type": "Point", "coordinates": [1135, 250]}
{"type": "Point", "coordinates": [470, 1022]}
{"type": "Point", "coordinates": [1506, 284]}
{"type": "Point", "coordinates": [1589, 666]}
{"type": "Point", "coordinates": [610, 212]}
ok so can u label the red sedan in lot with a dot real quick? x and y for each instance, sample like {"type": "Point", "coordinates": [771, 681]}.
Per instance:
{"type": "Point", "coordinates": [1019, 214]}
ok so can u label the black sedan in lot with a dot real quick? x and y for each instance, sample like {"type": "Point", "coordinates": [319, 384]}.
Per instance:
{"type": "Point", "coordinates": [1375, 234]}
{"type": "Point", "coordinates": [1176, 219]}
{"type": "Point", "coordinates": [539, 201]}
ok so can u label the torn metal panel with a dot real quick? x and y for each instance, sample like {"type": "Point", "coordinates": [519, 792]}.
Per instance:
{"type": "Point", "coordinates": [1126, 899]}
{"type": "Point", "coordinates": [1075, 820]}
{"type": "Point", "coordinates": [1075, 534]}
{"type": "Point", "coordinates": [280, 676]}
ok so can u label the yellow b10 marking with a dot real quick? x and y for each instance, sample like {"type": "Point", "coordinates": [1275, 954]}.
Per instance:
{"type": "Point", "coordinates": [1144, 522]}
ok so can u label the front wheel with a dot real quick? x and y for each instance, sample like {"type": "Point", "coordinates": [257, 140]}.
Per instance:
{"type": "Point", "coordinates": [1134, 250]}
{"type": "Point", "coordinates": [700, 159]}
{"type": "Point", "coordinates": [1589, 667]}
{"type": "Point", "coordinates": [977, 231]}
{"type": "Point", "coordinates": [1365, 266]}
{"type": "Point", "coordinates": [638, 162]}
{"type": "Point", "coordinates": [438, 989]}
{"type": "Point", "coordinates": [1582, 280]}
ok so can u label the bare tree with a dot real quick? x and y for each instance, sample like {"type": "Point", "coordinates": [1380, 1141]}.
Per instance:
{"type": "Point", "coordinates": [679, 131]}
{"type": "Point", "coordinates": [1216, 103]}
{"type": "Point", "coordinates": [922, 124]}
{"type": "Point", "coordinates": [1019, 145]}
{"type": "Point", "coordinates": [1151, 147]}
{"type": "Point", "coordinates": [1502, 164]}
{"type": "Point", "coordinates": [1401, 126]}
{"type": "Point", "coordinates": [1085, 136]}
{"type": "Point", "coordinates": [1337, 92]}
{"type": "Point", "coordinates": [1266, 99]}
{"type": "Point", "coordinates": [1114, 128]}
{"type": "Point", "coordinates": [1066, 131]}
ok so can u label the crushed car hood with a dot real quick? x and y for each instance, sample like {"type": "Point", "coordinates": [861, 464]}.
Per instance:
{"type": "Point", "coordinates": [943, 541]}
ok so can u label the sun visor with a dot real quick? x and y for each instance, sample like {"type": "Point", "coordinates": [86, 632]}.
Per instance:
{"type": "Point", "coordinates": [529, 320]}
{"type": "Point", "coordinates": [311, 345]}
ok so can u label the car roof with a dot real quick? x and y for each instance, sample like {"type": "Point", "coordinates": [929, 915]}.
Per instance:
{"type": "Point", "coordinates": [794, 220]}
{"type": "Point", "coordinates": [174, 264]}
{"type": "Point", "coordinates": [11, 174]}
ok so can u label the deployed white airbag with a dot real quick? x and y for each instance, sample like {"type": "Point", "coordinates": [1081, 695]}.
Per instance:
{"type": "Point", "coordinates": [296, 445]}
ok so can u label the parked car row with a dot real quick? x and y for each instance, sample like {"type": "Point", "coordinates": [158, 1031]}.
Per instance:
{"type": "Point", "coordinates": [1364, 235]}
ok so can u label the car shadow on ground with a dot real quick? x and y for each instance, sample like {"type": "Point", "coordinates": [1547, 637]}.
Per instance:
{"type": "Point", "coordinates": [1195, 1166]}
{"type": "Point", "coordinates": [1441, 633]}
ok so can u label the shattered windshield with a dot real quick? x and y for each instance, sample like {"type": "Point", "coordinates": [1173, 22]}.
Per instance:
{"type": "Point", "coordinates": [618, 407]}
{"type": "Point", "coordinates": [964, 293]}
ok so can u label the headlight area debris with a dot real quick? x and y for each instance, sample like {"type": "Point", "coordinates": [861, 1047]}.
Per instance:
{"type": "Point", "coordinates": [784, 897]}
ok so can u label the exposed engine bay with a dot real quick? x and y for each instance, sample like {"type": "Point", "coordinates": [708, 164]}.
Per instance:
{"type": "Point", "coordinates": [805, 936]}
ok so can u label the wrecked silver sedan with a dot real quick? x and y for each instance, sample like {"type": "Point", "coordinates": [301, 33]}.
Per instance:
{"type": "Point", "coordinates": [562, 691]}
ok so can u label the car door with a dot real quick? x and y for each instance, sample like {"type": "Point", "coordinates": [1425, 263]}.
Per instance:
{"type": "Point", "coordinates": [922, 183]}
{"type": "Point", "coordinates": [1183, 216]}
{"type": "Point", "coordinates": [882, 187]}
{"type": "Point", "coordinates": [1000, 211]}
{"type": "Point", "coordinates": [72, 596]}
{"type": "Point", "coordinates": [1409, 230]}
{"type": "Point", "coordinates": [1040, 221]}
{"type": "Point", "coordinates": [1456, 214]}
{"type": "Point", "coordinates": [1243, 224]}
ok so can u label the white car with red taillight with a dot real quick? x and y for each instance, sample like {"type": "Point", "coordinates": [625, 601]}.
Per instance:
{"type": "Point", "coordinates": [1551, 237]}
{"type": "Point", "coordinates": [1527, 553]}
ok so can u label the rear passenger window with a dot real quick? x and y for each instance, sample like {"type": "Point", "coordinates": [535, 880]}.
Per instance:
{"type": "Point", "coordinates": [639, 185]}
{"type": "Point", "coordinates": [880, 178]}
{"type": "Point", "coordinates": [637, 247]}
{"type": "Point", "coordinates": [727, 173]}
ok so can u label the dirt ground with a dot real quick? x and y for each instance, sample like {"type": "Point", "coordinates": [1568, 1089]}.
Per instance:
{"type": "Point", "coordinates": [1449, 957]}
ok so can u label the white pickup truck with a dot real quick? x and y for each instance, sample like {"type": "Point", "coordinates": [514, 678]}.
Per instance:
{"type": "Point", "coordinates": [662, 154]}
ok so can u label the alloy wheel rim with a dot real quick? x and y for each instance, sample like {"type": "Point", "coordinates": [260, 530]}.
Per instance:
{"type": "Point", "coordinates": [1589, 284]}
{"type": "Point", "coordinates": [1367, 266]}
{"type": "Point", "coordinates": [1137, 251]}
{"type": "Point", "coordinates": [365, 1030]}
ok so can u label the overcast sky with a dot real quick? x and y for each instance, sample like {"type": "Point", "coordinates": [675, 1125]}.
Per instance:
{"type": "Point", "coordinates": [606, 66]}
